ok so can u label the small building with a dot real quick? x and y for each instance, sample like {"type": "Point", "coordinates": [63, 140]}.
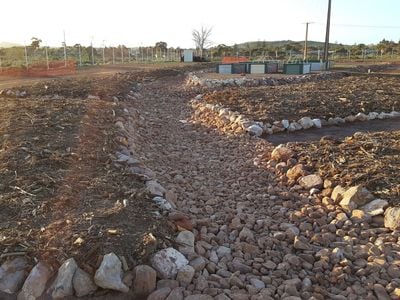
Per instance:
{"type": "Point", "coordinates": [188, 55]}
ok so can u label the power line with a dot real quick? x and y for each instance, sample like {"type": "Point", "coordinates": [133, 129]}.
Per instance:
{"type": "Point", "coordinates": [364, 26]}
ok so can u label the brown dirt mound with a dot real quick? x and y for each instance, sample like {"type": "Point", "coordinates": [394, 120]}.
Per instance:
{"type": "Point", "coordinates": [371, 159]}
{"type": "Point", "coordinates": [329, 98]}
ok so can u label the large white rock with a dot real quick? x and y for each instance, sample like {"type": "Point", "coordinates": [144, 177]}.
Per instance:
{"type": "Point", "coordinates": [12, 274]}
{"type": "Point", "coordinates": [294, 126]}
{"type": "Point", "coordinates": [317, 123]}
{"type": "Point", "coordinates": [306, 122]}
{"type": "Point", "coordinates": [383, 115]}
{"type": "Point", "coordinates": [372, 115]}
{"type": "Point", "coordinates": [109, 274]}
{"type": "Point", "coordinates": [62, 286]}
{"type": "Point", "coordinates": [168, 262]}
{"type": "Point", "coordinates": [83, 283]}
{"type": "Point", "coordinates": [395, 114]}
{"type": "Point", "coordinates": [35, 284]}
{"type": "Point", "coordinates": [375, 207]}
{"type": "Point", "coordinates": [255, 130]}
{"type": "Point", "coordinates": [285, 124]}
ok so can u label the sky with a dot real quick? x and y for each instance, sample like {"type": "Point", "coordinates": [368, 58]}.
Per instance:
{"type": "Point", "coordinates": [143, 23]}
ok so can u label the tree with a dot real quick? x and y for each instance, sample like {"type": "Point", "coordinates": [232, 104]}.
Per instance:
{"type": "Point", "coordinates": [35, 44]}
{"type": "Point", "coordinates": [202, 38]}
{"type": "Point", "coordinates": [163, 46]}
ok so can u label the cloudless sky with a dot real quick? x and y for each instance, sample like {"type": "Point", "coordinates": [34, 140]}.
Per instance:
{"type": "Point", "coordinates": [144, 22]}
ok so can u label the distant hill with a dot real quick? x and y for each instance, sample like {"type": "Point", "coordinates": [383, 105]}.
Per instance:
{"type": "Point", "coordinates": [8, 45]}
{"type": "Point", "coordinates": [281, 44]}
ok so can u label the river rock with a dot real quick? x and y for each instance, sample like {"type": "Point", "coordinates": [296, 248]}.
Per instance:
{"type": "Point", "coordinates": [296, 172]}
{"type": "Point", "coordinates": [306, 122]}
{"type": "Point", "coordinates": [35, 284]}
{"type": "Point", "coordinates": [185, 275]}
{"type": "Point", "coordinates": [337, 193]}
{"type": "Point", "coordinates": [145, 280]}
{"type": "Point", "coordinates": [176, 294]}
{"type": "Point", "coordinates": [83, 283]}
{"type": "Point", "coordinates": [375, 207]}
{"type": "Point", "coordinates": [392, 218]}
{"type": "Point", "coordinates": [361, 117]}
{"type": "Point", "coordinates": [255, 130]}
{"type": "Point", "coordinates": [381, 292]}
{"type": "Point", "coordinates": [62, 286]}
{"type": "Point", "coordinates": [301, 243]}
{"type": "Point", "coordinates": [162, 203]}
{"type": "Point", "coordinates": [168, 262]}
{"type": "Point", "coordinates": [199, 297]}
{"type": "Point", "coordinates": [311, 181]}
{"type": "Point", "coordinates": [317, 123]}
{"type": "Point", "coordinates": [285, 124]}
{"type": "Point", "coordinates": [294, 126]}
{"type": "Point", "coordinates": [154, 188]}
{"type": "Point", "coordinates": [281, 153]}
{"type": "Point", "coordinates": [185, 241]}
{"type": "Point", "coordinates": [160, 294]}
{"type": "Point", "coordinates": [12, 274]}
{"type": "Point", "coordinates": [109, 274]}
{"type": "Point", "coordinates": [354, 197]}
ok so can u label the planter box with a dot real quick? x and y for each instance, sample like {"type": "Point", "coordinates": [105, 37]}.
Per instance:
{"type": "Point", "coordinates": [296, 69]}
{"type": "Point", "coordinates": [272, 67]}
{"type": "Point", "coordinates": [258, 69]}
{"type": "Point", "coordinates": [238, 68]}
{"type": "Point", "coordinates": [224, 68]}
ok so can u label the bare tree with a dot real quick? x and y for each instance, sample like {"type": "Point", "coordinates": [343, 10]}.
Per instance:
{"type": "Point", "coordinates": [202, 38]}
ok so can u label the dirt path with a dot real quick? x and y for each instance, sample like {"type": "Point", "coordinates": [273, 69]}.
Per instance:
{"type": "Point", "coordinates": [315, 134]}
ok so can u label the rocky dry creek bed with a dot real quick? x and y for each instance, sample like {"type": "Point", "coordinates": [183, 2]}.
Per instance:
{"type": "Point", "coordinates": [254, 222]}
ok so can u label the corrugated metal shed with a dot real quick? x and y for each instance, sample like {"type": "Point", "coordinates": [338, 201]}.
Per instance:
{"type": "Point", "coordinates": [238, 68]}
{"type": "Point", "coordinates": [224, 68]}
{"type": "Point", "coordinates": [296, 69]}
{"type": "Point", "coordinates": [257, 69]}
{"type": "Point", "coordinates": [188, 55]}
{"type": "Point", "coordinates": [272, 67]}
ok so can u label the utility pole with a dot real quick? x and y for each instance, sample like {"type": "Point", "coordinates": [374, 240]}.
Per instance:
{"type": "Point", "coordinates": [113, 52]}
{"type": "Point", "coordinates": [47, 58]}
{"type": "Point", "coordinates": [80, 55]}
{"type": "Point", "coordinates": [122, 53]}
{"type": "Point", "coordinates": [91, 46]}
{"type": "Point", "coordinates": [328, 25]}
{"type": "Point", "coordinates": [104, 57]}
{"type": "Point", "coordinates": [26, 58]}
{"type": "Point", "coordinates": [65, 51]}
{"type": "Point", "coordinates": [305, 42]}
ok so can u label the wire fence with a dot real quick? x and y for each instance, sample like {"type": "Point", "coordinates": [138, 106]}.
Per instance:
{"type": "Point", "coordinates": [30, 60]}
{"type": "Point", "coordinates": [27, 59]}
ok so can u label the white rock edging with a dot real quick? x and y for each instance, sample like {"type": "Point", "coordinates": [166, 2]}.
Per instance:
{"type": "Point", "coordinates": [258, 128]}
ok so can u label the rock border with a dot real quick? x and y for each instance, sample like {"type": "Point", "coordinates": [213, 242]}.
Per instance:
{"type": "Point", "coordinates": [258, 128]}
{"type": "Point", "coordinates": [194, 80]}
